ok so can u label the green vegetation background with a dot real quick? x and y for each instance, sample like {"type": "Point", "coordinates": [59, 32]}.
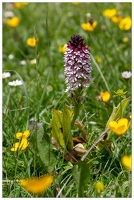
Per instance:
{"type": "Point", "coordinates": [54, 24]}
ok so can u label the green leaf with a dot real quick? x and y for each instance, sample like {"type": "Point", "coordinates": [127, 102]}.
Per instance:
{"type": "Point", "coordinates": [57, 127]}
{"type": "Point", "coordinates": [117, 113]}
{"type": "Point", "coordinates": [67, 119]}
{"type": "Point", "coordinates": [44, 147]}
{"type": "Point", "coordinates": [81, 174]}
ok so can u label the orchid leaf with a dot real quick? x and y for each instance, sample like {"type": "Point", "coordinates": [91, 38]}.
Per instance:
{"type": "Point", "coordinates": [57, 127]}
{"type": "Point", "coordinates": [45, 147]}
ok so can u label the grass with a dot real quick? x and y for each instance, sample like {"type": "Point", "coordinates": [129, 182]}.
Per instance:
{"type": "Point", "coordinates": [44, 89]}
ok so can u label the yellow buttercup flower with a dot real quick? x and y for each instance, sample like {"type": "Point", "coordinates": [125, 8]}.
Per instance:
{"type": "Point", "coordinates": [109, 13]}
{"type": "Point", "coordinates": [75, 3]}
{"type": "Point", "coordinates": [31, 42]}
{"type": "Point", "coordinates": [20, 145]}
{"type": "Point", "coordinates": [20, 4]}
{"type": "Point", "coordinates": [99, 186]}
{"type": "Point", "coordinates": [125, 24]}
{"type": "Point", "coordinates": [89, 26]}
{"type": "Point", "coordinates": [37, 185]}
{"type": "Point", "coordinates": [127, 162]}
{"type": "Point", "coordinates": [105, 96]}
{"type": "Point", "coordinates": [20, 135]}
{"type": "Point", "coordinates": [62, 48]}
{"type": "Point", "coordinates": [98, 59]}
{"type": "Point", "coordinates": [13, 22]}
{"type": "Point", "coordinates": [116, 18]}
{"type": "Point", "coordinates": [125, 39]}
{"type": "Point", "coordinates": [119, 127]}
{"type": "Point", "coordinates": [23, 142]}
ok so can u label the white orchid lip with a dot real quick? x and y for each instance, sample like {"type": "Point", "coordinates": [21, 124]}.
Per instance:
{"type": "Point", "coordinates": [15, 83]}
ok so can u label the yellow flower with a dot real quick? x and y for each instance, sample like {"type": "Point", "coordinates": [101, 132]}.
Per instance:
{"type": "Point", "coordinates": [125, 39]}
{"type": "Point", "coordinates": [23, 142]}
{"type": "Point", "coordinates": [119, 127]}
{"type": "Point", "coordinates": [31, 42]}
{"type": "Point", "coordinates": [20, 4]}
{"type": "Point", "coordinates": [116, 18]}
{"type": "Point", "coordinates": [98, 59]}
{"type": "Point", "coordinates": [75, 3]}
{"type": "Point", "coordinates": [33, 61]}
{"type": "Point", "coordinates": [99, 186]}
{"type": "Point", "coordinates": [105, 96]}
{"type": "Point", "coordinates": [89, 26]}
{"type": "Point", "coordinates": [20, 135]}
{"type": "Point", "coordinates": [125, 24]}
{"type": "Point", "coordinates": [22, 145]}
{"type": "Point", "coordinates": [37, 185]}
{"type": "Point", "coordinates": [62, 48]}
{"type": "Point", "coordinates": [127, 162]}
{"type": "Point", "coordinates": [109, 13]}
{"type": "Point", "coordinates": [13, 22]}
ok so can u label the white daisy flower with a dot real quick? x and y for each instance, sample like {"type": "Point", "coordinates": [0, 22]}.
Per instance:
{"type": "Point", "coordinates": [126, 74]}
{"type": "Point", "coordinates": [6, 75]}
{"type": "Point", "coordinates": [8, 14]}
{"type": "Point", "coordinates": [23, 62]}
{"type": "Point", "coordinates": [15, 83]}
{"type": "Point", "coordinates": [11, 56]}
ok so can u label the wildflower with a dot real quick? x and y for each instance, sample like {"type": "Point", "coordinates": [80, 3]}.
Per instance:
{"type": "Point", "coordinates": [105, 96]}
{"type": "Point", "coordinates": [23, 62]}
{"type": "Point", "coordinates": [125, 39]}
{"type": "Point", "coordinates": [11, 56]}
{"type": "Point", "coordinates": [13, 22]}
{"type": "Point", "coordinates": [109, 13]}
{"type": "Point", "coordinates": [119, 127]}
{"type": "Point", "coordinates": [77, 65]}
{"type": "Point", "coordinates": [62, 48]}
{"type": "Point", "coordinates": [31, 42]}
{"type": "Point", "coordinates": [37, 185]}
{"type": "Point", "coordinates": [126, 74]}
{"type": "Point", "coordinates": [6, 75]}
{"type": "Point", "coordinates": [125, 24]}
{"type": "Point", "coordinates": [23, 143]}
{"type": "Point", "coordinates": [89, 26]}
{"type": "Point", "coordinates": [33, 61]}
{"type": "Point", "coordinates": [8, 14]}
{"type": "Point", "coordinates": [127, 162]}
{"type": "Point", "coordinates": [15, 83]}
{"type": "Point", "coordinates": [120, 93]}
{"type": "Point", "coordinates": [20, 4]}
{"type": "Point", "coordinates": [20, 145]}
{"type": "Point", "coordinates": [20, 135]}
{"type": "Point", "coordinates": [75, 3]}
{"type": "Point", "coordinates": [116, 18]}
{"type": "Point", "coordinates": [99, 186]}
{"type": "Point", "coordinates": [98, 59]}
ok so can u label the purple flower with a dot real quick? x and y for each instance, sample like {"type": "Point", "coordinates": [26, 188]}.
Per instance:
{"type": "Point", "coordinates": [77, 65]}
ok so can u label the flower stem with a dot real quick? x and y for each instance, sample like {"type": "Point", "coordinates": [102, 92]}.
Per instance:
{"type": "Point", "coordinates": [77, 101]}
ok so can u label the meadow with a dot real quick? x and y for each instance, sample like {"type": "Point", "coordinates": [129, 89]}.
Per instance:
{"type": "Point", "coordinates": [59, 143]}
